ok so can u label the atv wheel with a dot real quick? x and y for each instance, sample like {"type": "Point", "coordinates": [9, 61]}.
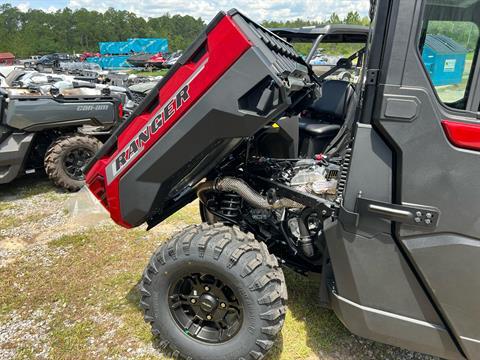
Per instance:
{"type": "Point", "coordinates": [214, 293]}
{"type": "Point", "coordinates": [66, 157]}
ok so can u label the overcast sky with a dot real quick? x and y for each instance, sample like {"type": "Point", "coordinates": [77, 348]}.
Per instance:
{"type": "Point", "coordinates": [206, 9]}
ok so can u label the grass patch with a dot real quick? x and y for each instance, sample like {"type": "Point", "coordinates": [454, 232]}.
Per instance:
{"type": "Point", "coordinates": [101, 275]}
{"type": "Point", "coordinates": [309, 329]}
{"type": "Point", "coordinates": [33, 218]}
{"type": "Point", "coordinates": [29, 190]}
{"type": "Point", "coordinates": [8, 222]}
{"type": "Point", "coordinates": [6, 309]}
{"type": "Point", "coordinates": [27, 187]}
{"type": "Point", "coordinates": [24, 353]}
{"type": "Point", "coordinates": [69, 240]}
{"type": "Point", "coordinates": [189, 215]}
{"type": "Point", "coordinates": [89, 292]}
{"type": "Point", "coordinates": [69, 339]}
{"type": "Point", "coordinates": [6, 206]}
{"type": "Point", "coordinates": [161, 72]}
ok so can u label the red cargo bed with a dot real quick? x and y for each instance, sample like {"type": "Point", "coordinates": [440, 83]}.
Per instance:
{"type": "Point", "coordinates": [211, 100]}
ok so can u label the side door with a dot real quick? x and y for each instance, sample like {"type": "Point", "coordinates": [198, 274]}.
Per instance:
{"type": "Point", "coordinates": [427, 111]}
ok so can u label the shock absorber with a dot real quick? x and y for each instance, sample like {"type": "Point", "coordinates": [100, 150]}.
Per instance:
{"type": "Point", "coordinates": [230, 204]}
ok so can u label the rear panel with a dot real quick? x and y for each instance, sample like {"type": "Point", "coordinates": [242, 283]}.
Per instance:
{"type": "Point", "coordinates": [236, 78]}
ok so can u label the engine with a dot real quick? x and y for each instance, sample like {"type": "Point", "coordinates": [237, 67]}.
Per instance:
{"type": "Point", "coordinates": [277, 220]}
{"type": "Point", "coordinates": [315, 179]}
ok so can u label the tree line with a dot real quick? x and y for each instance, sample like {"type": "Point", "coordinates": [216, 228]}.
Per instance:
{"type": "Point", "coordinates": [344, 50]}
{"type": "Point", "coordinates": [37, 32]}
{"type": "Point", "coordinates": [463, 32]}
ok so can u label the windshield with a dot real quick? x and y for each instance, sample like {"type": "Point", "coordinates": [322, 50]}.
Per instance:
{"type": "Point", "coordinates": [334, 52]}
{"type": "Point", "coordinates": [327, 55]}
{"type": "Point", "coordinates": [330, 53]}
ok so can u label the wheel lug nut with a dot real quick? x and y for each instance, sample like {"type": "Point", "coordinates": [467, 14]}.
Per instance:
{"type": "Point", "coordinates": [207, 288]}
{"type": "Point", "coordinates": [223, 305]}
{"type": "Point", "coordinates": [209, 317]}
{"type": "Point", "coordinates": [193, 301]}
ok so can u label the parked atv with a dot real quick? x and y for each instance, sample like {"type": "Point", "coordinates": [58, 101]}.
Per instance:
{"type": "Point", "coordinates": [58, 134]}
{"type": "Point", "coordinates": [386, 210]}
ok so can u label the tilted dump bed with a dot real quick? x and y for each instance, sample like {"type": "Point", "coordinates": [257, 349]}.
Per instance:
{"type": "Point", "coordinates": [236, 78]}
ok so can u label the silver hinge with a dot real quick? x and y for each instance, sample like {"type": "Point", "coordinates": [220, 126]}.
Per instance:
{"type": "Point", "coordinates": [406, 214]}
{"type": "Point", "coordinates": [372, 76]}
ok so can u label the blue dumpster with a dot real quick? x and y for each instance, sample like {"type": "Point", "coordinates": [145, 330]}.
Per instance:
{"type": "Point", "coordinates": [140, 45]}
{"type": "Point", "coordinates": [115, 53]}
{"type": "Point", "coordinates": [444, 59]}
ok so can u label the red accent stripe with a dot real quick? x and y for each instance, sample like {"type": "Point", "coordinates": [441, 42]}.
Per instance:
{"type": "Point", "coordinates": [463, 135]}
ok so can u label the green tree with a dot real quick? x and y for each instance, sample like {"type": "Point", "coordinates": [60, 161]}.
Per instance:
{"type": "Point", "coordinates": [37, 32]}
{"type": "Point", "coordinates": [334, 19]}
{"type": "Point", "coordinates": [353, 18]}
{"type": "Point", "coordinates": [66, 30]}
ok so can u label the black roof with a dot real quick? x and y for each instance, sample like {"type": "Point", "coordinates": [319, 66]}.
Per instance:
{"type": "Point", "coordinates": [335, 33]}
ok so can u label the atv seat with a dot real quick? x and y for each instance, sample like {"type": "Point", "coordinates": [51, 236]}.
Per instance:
{"type": "Point", "coordinates": [314, 128]}
{"type": "Point", "coordinates": [325, 117]}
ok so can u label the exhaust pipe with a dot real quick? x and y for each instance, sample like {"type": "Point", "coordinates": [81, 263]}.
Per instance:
{"type": "Point", "coordinates": [305, 240]}
{"type": "Point", "coordinates": [240, 187]}
{"type": "Point", "coordinates": [230, 184]}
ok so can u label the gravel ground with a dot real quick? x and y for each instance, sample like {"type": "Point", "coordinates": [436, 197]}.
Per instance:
{"type": "Point", "coordinates": [70, 287]}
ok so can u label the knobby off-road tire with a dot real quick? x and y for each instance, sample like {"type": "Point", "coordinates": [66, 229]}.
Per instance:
{"type": "Point", "coordinates": [57, 154]}
{"type": "Point", "coordinates": [243, 264]}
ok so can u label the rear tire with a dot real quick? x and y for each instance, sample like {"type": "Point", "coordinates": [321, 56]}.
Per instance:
{"type": "Point", "coordinates": [204, 259]}
{"type": "Point", "coordinates": [66, 156]}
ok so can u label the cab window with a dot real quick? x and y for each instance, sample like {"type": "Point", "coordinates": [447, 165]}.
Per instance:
{"type": "Point", "coordinates": [449, 48]}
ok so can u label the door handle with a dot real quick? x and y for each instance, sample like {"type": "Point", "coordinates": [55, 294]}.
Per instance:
{"type": "Point", "coordinates": [386, 211]}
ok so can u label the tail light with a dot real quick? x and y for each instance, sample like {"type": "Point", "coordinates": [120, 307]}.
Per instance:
{"type": "Point", "coordinates": [120, 110]}
{"type": "Point", "coordinates": [462, 135]}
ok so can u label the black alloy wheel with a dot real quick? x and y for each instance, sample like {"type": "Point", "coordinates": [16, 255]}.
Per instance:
{"type": "Point", "coordinates": [75, 160]}
{"type": "Point", "coordinates": [213, 292]}
{"type": "Point", "coordinates": [66, 157]}
{"type": "Point", "coordinates": [205, 308]}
